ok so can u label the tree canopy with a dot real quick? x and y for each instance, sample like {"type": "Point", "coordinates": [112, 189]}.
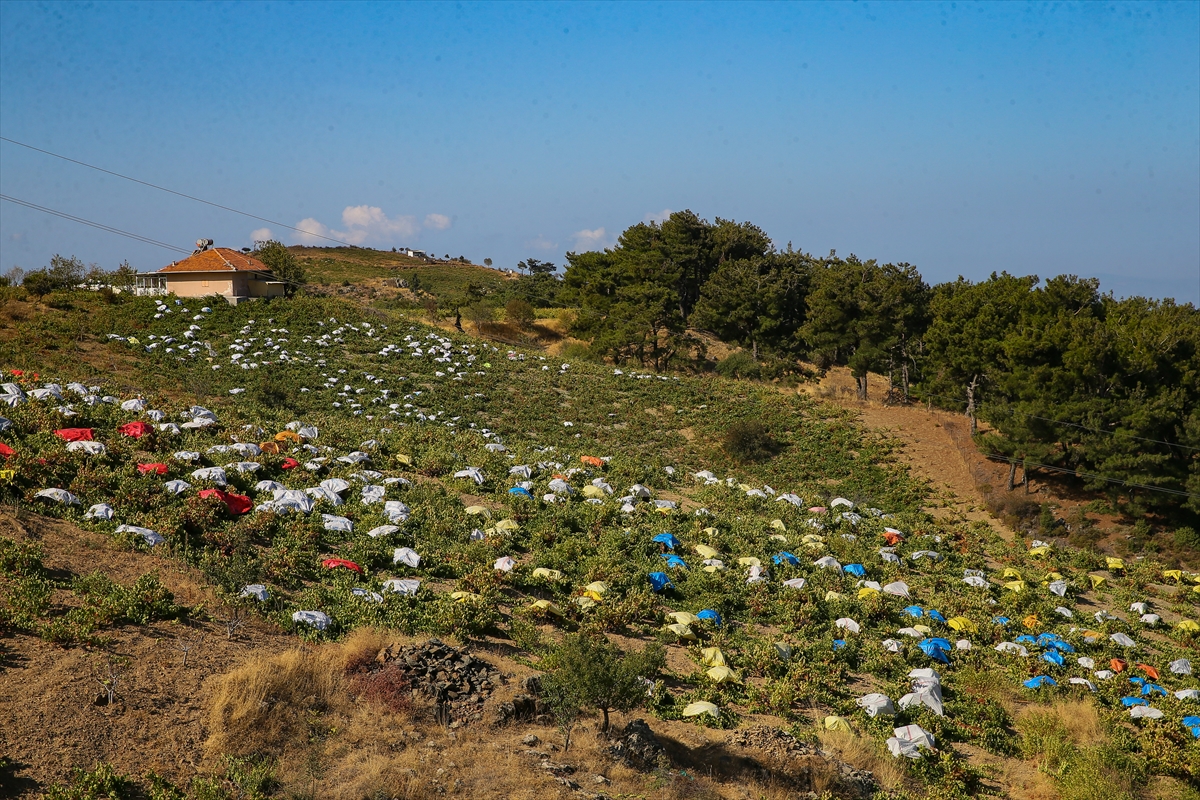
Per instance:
{"type": "Point", "coordinates": [1064, 376]}
{"type": "Point", "coordinates": [282, 262]}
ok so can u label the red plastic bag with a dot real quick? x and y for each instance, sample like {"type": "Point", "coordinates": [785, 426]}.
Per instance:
{"type": "Point", "coordinates": [135, 429]}
{"type": "Point", "coordinates": [236, 503]}
{"type": "Point", "coordinates": [331, 563]}
{"type": "Point", "coordinates": [74, 434]}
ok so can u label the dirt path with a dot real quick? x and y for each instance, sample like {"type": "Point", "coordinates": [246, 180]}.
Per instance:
{"type": "Point", "coordinates": [935, 445]}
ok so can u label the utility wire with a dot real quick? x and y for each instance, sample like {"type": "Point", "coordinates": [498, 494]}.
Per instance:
{"type": "Point", "coordinates": [170, 191]}
{"type": "Point", "coordinates": [980, 404]}
{"type": "Point", "coordinates": [1065, 471]}
{"type": "Point", "coordinates": [102, 227]}
{"type": "Point", "coordinates": [1113, 433]}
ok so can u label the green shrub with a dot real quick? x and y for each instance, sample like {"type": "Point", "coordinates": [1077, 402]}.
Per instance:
{"type": "Point", "coordinates": [591, 672]}
{"type": "Point", "coordinates": [577, 351]}
{"type": "Point", "coordinates": [520, 313]}
{"type": "Point", "coordinates": [1187, 538]}
{"type": "Point", "coordinates": [749, 440]}
{"type": "Point", "coordinates": [100, 782]}
{"type": "Point", "coordinates": [739, 364]}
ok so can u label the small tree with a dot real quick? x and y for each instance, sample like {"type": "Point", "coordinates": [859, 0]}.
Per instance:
{"type": "Point", "coordinates": [282, 263]}
{"type": "Point", "coordinates": [65, 273]}
{"type": "Point", "coordinates": [430, 304]}
{"type": "Point", "coordinates": [13, 277]}
{"type": "Point", "coordinates": [487, 262]}
{"type": "Point", "coordinates": [480, 313]}
{"type": "Point", "coordinates": [125, 278]}
{"type": "Point", "coordinates": [519, 313]}
{"type": "Point", "coordinates": [38, 283]}
{"type": "Point", "coordinates": [591, 672]}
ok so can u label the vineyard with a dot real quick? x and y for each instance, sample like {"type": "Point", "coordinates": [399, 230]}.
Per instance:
{"type": "Point", "coordinates": [332, 469]}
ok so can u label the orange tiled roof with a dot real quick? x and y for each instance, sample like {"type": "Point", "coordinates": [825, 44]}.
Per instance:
{"type": "Point", "coordinates": [218, 259]}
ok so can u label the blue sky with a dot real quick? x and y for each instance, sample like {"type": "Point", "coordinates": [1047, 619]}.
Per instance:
{"type": "Point", "coordinates": [960, 137]}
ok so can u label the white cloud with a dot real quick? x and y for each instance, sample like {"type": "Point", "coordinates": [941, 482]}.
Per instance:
{"type": "Point", "coordinates": [586, 240]}
{"type": "Point", "coordinates": [661, 216]}
{"type": "Point", "coordinates": [310, 231]}
{"type": "Point", "coordinates": [262, 235]}
{"type": "Point", "coordinates": [437, 221]}
{"type": "Point", "coordinates": [369, 223]}
{"type": "Point", "coordinates": [364, 225]}
{"type": "Point", "coordinates": [541, 243]}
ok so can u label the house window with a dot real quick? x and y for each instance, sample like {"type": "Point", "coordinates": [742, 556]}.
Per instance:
{"type": "Point", "coordinates": [204, 283]}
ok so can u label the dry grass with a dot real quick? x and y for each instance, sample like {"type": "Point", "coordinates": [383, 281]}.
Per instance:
{"type": "Point", "coordinates": [1077, 719]}
{"type": "Point", "coordinates": [862, 753]}
{"type": "Point", "coordinates": [297, 708]}
{"type": "Point", "coordinates": [262, 706]}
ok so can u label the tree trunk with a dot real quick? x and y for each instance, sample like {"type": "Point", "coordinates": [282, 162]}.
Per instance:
{"type": "Point", "coordinates": [971, 403]}
{"type": "Point", "coordinates": [754, 345]}
{"type": "Point", "coordinates": [604, 725]}
{"type": "Point", "coordinates": [1012, 474]}
{"type": "Point", "coordinates": [862, 386]}
{"type": "Point", "coordinates": [1025, 475]}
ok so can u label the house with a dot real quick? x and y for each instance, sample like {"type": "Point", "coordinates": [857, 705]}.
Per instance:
{"type": "Point", "coordinates": [215, 270]}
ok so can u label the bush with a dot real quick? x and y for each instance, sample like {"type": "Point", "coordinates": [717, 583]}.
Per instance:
{"type": "Point", "coordinates": [749, 441]}
{"type": "Point", "coordinates": [38, 283]}
{"type": "Point", "coordinates": [577, 351]}
{"type": "Point", "coordinates": [1187, 538]}
{"type": "Point", "coordinates": [101, 782]}
{"type": "Point", "coordinates": [591, 672]}
{"type": "Point", "coordinates": [519, 313]}
{"type": "Point", "coordinates": [480, 313]}
{"type": "Point", "coordinates": [739, 364]}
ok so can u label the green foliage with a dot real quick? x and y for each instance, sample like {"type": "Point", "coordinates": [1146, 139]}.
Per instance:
{"type": "Point", "coordinates": [757, 303]}
{"type": "Point", "coordinates": [100, 783]}
{"type": "Point", "coordinates": [739, 364]}
{"type": "Point", "coordinates": [750, 440]}
{"type": "Point", "coordinates": [1075, 380]}
{"type": "Point", "coordinates": [588, 671]}
{"type": "Point", "coordinates": [536, 267]}
{"type": "Point", "coordinates": [1187, 538]}
{"type": "Point", "coordinates": [282, 262]}
{"type": "Point", "coordinates": [520, 313]}
{"type": "Point", "coordinates": [635, 299]}
{"type": "Point", "coordinates": [480, 313]}
{"type": "Point", "coordinates": [865, 316]}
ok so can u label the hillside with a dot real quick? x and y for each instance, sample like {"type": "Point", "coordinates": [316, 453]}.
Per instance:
{"type": "Point", "coordinates": [504, 501]}
{"type": "Point", "coordinates": [333, 266]}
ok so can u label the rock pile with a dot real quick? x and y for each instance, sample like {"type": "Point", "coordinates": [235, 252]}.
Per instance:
{"type": "Point", "coordinates": [526, 706]}
{"type": "Point", "coordinates": [781, 747]}
{"type": "Point", "coordinates": [638, 747]}
{"type": "Point", "coordinates": [455, 680]}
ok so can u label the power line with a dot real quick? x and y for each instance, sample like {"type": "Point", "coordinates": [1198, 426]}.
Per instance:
{"type": "Point", "coordinates": [101, 226]}
{"type": "Point", "coordinates": [980, 404]}
{"type": "Point", "coordinates": [1112, 433]}
{"type": "Point", "coordinates": [1065, 471]}
{"type": "Point", "coordinates": [170, 191]}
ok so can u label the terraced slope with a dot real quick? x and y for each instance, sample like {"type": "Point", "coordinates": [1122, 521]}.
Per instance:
{"type": "Point", "coordinates": [365, 472]}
